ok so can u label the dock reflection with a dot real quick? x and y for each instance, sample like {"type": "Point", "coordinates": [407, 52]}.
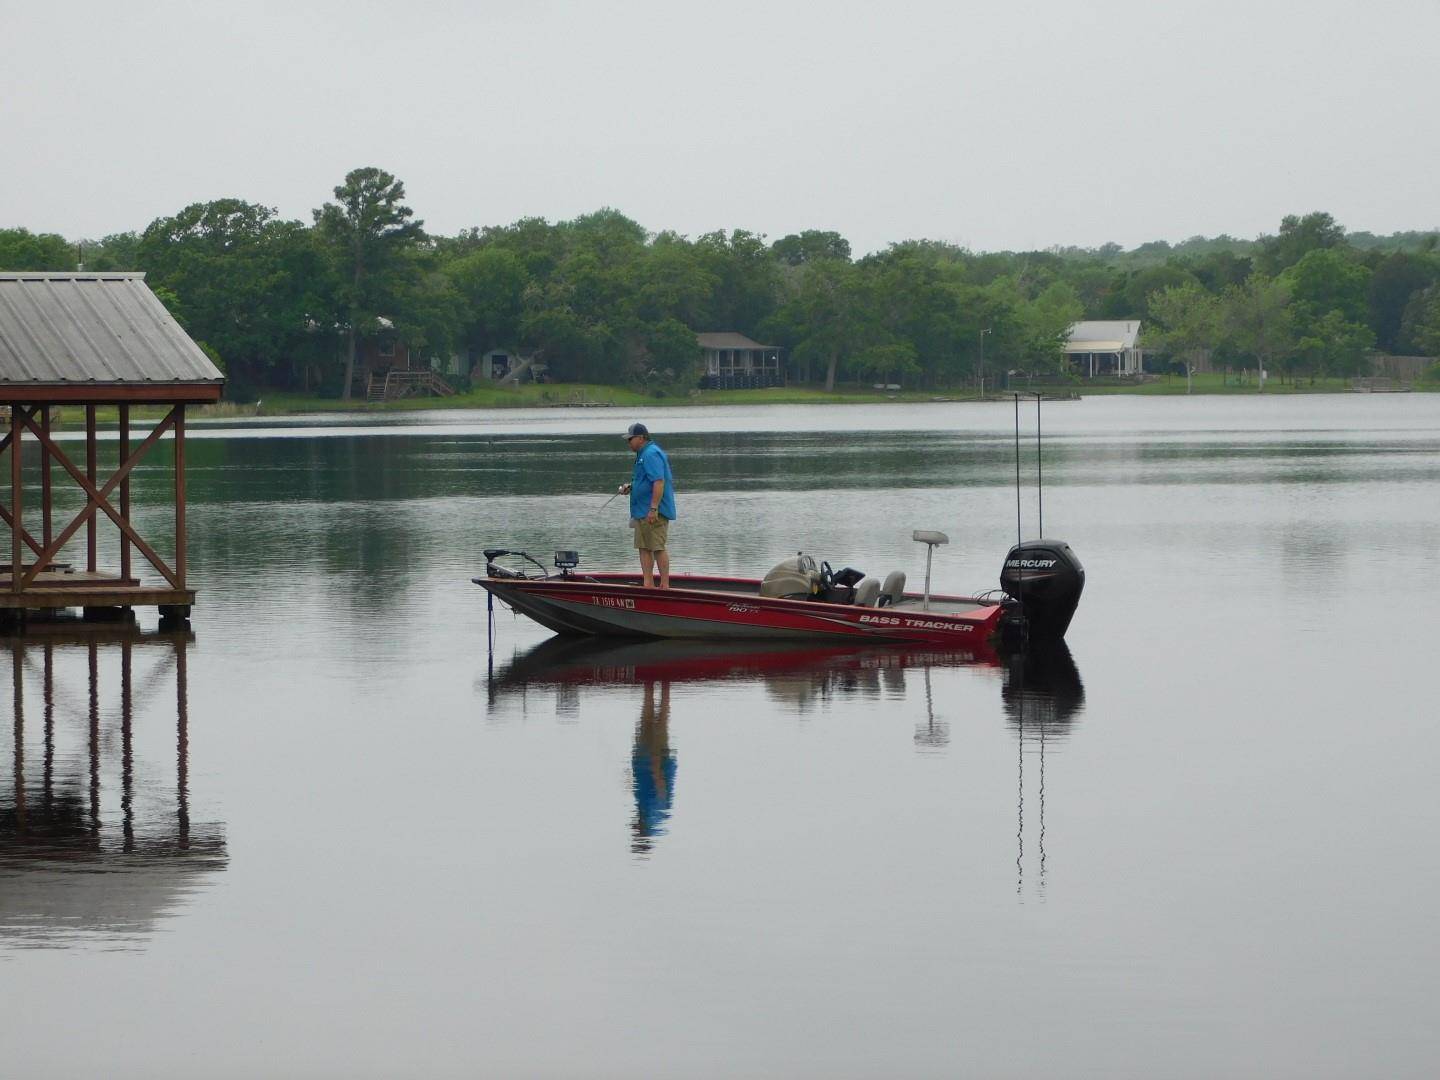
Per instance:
{"type": "Point", "coordinates": [96, 841]}
{"type": "Point", "coordinates": [1041, 694]}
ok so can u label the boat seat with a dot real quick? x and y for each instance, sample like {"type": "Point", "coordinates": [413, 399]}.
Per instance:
{"type": "Point", "coordinates": [893, 590]}
{"type": "Point", "coordinates": [867, 593]}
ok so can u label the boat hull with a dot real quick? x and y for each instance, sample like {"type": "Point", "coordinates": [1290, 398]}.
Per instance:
{"type": "Point", "coordinates": [730, 609]}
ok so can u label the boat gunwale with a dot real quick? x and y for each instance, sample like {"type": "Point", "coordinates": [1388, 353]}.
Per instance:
{"type": "Point", "coordinates": [983, 613]}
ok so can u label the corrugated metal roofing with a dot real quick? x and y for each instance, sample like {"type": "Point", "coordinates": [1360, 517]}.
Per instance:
{"type": "Point", "coordinates": [1112, 335]}
{"type": "Point", "coordinates": [75, 328]}
{"type": "Point", "coordinates": [729, 340]}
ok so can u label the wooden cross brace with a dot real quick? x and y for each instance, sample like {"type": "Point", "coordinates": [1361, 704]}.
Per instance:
{"type": "Point", "coordinates": [5, 515]}
{"type": "Point", "coordinates": [99, 499]}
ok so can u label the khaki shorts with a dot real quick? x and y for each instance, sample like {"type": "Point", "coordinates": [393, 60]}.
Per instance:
{"type": "Point", "coordinates": [651, 537]}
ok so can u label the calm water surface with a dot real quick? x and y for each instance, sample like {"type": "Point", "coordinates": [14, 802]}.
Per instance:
{"type": "Point", "coordinates": [329, 836]}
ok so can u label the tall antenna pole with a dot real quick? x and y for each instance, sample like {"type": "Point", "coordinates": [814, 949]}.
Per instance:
{"type": "Point", "coordinates": [1017, 469]}
{"type": "Point", "coordinates": [1039, 471]}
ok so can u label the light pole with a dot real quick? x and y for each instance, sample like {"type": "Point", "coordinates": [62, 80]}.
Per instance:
{"type": "Point", "coordinates": [982, 362]}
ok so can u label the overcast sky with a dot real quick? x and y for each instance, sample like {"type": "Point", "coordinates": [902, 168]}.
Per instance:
{"type": "Point", "coordinates": [1001, 125]}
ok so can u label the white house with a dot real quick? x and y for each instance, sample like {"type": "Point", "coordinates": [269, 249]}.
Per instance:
{"type": "Point", "coordinates": [1105, 348]}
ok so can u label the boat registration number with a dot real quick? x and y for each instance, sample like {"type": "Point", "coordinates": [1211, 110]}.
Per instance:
{"type": "Point", "coordinates": [613, 601]}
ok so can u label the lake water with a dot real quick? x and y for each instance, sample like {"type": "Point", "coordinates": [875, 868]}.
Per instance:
{"type": "Point", "coordinates": [332, 836]}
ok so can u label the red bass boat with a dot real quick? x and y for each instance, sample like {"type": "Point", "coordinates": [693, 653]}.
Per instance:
{"type": "Point", "coordinates": [1040, 586]}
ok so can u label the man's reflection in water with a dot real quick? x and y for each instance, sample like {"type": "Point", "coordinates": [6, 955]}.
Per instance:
{"type": "Point", "coordinates": [653, 768]}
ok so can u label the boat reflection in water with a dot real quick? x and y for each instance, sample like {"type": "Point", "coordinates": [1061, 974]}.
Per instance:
{"type": "Point", "coordinates": [96, 840]}
{"type": "Point", "coordinates": [1041, 692]}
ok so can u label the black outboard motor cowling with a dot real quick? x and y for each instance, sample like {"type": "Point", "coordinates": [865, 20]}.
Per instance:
{"type": "Point", "coordinates": [1046, 579]}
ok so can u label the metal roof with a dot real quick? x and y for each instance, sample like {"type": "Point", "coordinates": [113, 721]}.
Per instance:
{"type": "Point", "coordinates": [75, 329]}
{"type": "Point", "coordinates": [728, 339]}
{"type": "Point", "coordinates": [1102, 336]}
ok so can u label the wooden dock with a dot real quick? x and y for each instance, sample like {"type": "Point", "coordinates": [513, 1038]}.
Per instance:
{"type": "Point", "coordinates": [55, 590]}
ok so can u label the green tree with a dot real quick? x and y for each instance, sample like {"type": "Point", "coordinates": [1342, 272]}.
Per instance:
{"type": "Point", "coordinates": [1333, 345]}
{"type": "Point", "coordinates": [1257, 322]}
{"type": "Point", "coordinates": [920, 300]}
{"type": "Point", "coordinates": [887, 361]}
{"type": "Point", "coordinates": [669, 280]}
{"type": "Point", "coordinates": [1395, 281]}
{"type": "Point", "coordinates": [118, 251]}
{"type": "Point", "coordinates": [1297, 237]}
{"type": "Point", "coordinates": [1143, 284]}
{"type": "Point", "coordinates": [20, 249]}
{"type": "Point", "coordinates": [1420, 326]}
{"type": "Point", "coordinates": [1185, 325]}
{"type": "Point", "coordinates": [491, 284]}
{"type": "Point", "coordinates": [810, 245]}
{"type": "Point", "coordinates": [1327, 279]}
{"type": "Point", "coordinates": [827, 316]}
{"type": "Point", "coordinates": [367, 232]}
{"type": "Point", "coordinates": [673, 350]}
{"type": "Point", "coordinates": [747, 280]}
{"type": "Point", "coordinates": [243, 283]}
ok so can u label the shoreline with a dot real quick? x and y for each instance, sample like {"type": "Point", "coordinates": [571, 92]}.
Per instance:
{"type": "Point", "coordinates": [563, 395]}
{"type": "Point", "coordinates": [571, 396]}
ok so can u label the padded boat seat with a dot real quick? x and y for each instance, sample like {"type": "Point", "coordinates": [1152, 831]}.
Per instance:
{"type": "Point", "coordinates": [867, 593]}
{"type": "Point", "coordinates": [894, 589]}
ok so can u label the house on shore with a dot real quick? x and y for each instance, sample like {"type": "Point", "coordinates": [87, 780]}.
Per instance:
{"type": "Point", "coordinates": [735, 362]}
{"type": "Point", "coordinates": [382, 352]}
{"type": "Point", "coordinates": [506, 365]}
{"type": "Point", "coordinates": [1105, 348]}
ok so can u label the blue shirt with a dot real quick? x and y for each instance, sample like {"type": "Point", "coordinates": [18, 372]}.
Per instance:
{"type": "Point", "coordinates": [651, 464]}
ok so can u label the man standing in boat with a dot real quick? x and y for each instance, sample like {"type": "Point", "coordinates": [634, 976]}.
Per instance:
{"type": "Point", "coordinates": [652, 504]}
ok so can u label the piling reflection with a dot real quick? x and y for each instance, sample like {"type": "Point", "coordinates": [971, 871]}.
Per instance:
{"type": "Point", "coordinates": [1040, 691]}
{"type": "Point", "coordinates": [96, 839]}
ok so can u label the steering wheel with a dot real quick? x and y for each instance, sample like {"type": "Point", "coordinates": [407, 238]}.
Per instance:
{"type": "Point", "coordinates": [827, 577]}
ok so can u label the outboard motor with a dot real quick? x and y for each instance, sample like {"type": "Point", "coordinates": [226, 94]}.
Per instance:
{"type": "Point", "coordinates": [1046, 579]}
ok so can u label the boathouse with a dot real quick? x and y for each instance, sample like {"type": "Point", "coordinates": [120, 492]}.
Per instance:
{"type": "Point", "coordinates": [78, 342]}
{"type": "Point", "coordinates": [734, 362]}
{"type": "Point", "coordinates": [1104, 348]}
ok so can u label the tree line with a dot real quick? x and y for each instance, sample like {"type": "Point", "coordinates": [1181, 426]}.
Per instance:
{"type": "Point", "coordinates": [284, 304]}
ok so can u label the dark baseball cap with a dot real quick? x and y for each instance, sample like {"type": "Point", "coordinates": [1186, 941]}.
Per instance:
{"type": "Point", "coordinates": [636, 429]}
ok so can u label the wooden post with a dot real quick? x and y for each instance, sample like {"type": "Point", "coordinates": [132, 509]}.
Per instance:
{"type": "Point", "coordinates": [90, 529]}
{"type": "Point", "coordinates": [45, 498]}
{"type": "Point", "coordinates": [180, 494]}
{"type": "Point", "coordinates": [16, 499]}
{"type": "Point", "coordinates": [124, 493]}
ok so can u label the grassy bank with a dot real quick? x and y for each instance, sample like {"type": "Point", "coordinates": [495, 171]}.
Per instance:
{"type": "Point", "coordinates": [572, 395]}
{"type": "Point", "coordinates": [582, 395]}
